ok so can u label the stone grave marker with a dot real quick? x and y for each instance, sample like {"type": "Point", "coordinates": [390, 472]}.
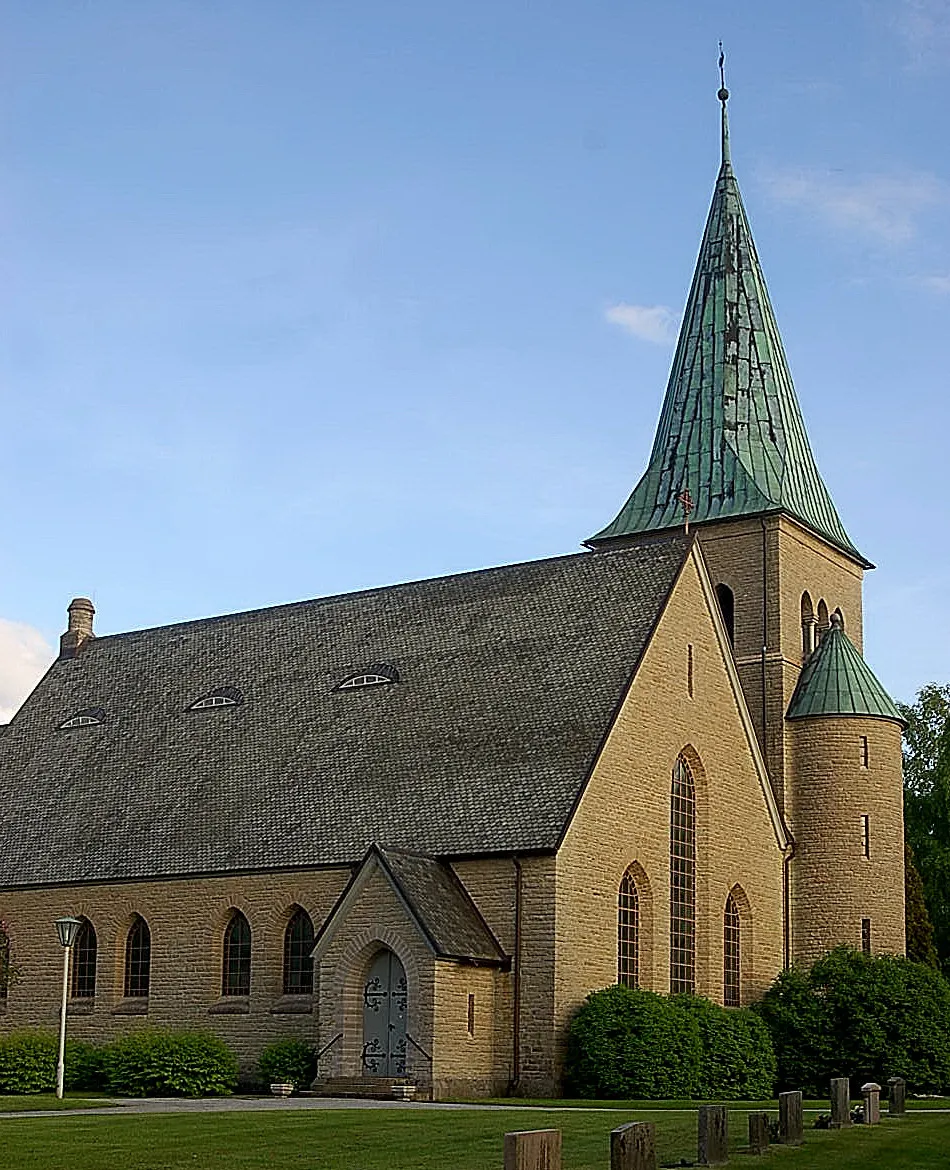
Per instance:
{"type": "Point", "coordinates": [713, 1135]}
{"type": "Point", "coordinates": [633, 1146]}
{"type": "Point", "coordinates": [840, 1102]}
{"type": "Point", "coordinates": [533, 1149]}
{"type": "Point", "coordinates": [758, 1132]}
{"type": "Point", "coordinates": [896, 1096]}
{"type": "Point", "coordinates": [790, 1125]}
{"type": "Point", "coordinates": [872, 1102]}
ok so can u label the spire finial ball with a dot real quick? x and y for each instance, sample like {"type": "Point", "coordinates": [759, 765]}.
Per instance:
{"type": "Point", "coordinates": [723, 94]}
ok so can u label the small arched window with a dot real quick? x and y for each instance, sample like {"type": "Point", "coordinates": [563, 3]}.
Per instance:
{"type": "Point", "coordinates": [138, 959]}
{"type": "Point", "coordinates": [90, 717]}
{"type": "Point", "coordinates": [731, 989]}
{"type": "Point", "coordinates": [808, 625]}
{"type": "Point", "coordinates": [377, 675]}
{"type": "Point", "coordinates": [85, 954]}
{"type": "Point", "coordinates": [823, 622]}
{"type": "Point", "coordinates": [683, 880]}
{"type": "Point", "coordinates": [221, 697]}
{"type": "Point", "coordinates": [840, 618]}
{"type": "Point", "coordinates": [236, 975]}
{"type": "Point", "coordinates": [298, 966]}
{"type": "Point", "coordinates": [727, 607]}
{"type": "Point", "coordinates": [628, 932]}
{"type": "Point", "coordinates": [5, 968]}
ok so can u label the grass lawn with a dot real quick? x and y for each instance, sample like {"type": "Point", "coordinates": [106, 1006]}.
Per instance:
{"type": "Point", "coordinates": [15, 1104]}
{"type": "Point", "coordinates": [424, 1140]}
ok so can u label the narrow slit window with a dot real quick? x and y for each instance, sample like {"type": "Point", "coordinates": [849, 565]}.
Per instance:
{"type": "Point", "coordinates": [865, 752]}
{"type": "Point", "coordinates": [866, 935]}
{"type": "Point", "coordinates": [866, 834]}
{"type": "Point", "coordinates": [4, 963]}
{"type": "Point", "coordinates": [689, 670]}
{"type": "Point", "coordinates": [471, 1015]}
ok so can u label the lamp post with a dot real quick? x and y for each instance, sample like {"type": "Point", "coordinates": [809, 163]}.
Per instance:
{"type": "Point", "coordinates": [67, 929]}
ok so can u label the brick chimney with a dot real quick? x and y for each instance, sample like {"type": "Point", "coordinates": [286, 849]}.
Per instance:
{"type": "Point", "coordinates": [81, 612]}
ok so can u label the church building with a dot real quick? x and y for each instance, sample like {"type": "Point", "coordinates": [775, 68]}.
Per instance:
{"type": "Point", "coordinates": [415, 826]}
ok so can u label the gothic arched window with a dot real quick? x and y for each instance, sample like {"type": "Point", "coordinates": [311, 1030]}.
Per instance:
{"type": "Point", "coordinates": [236, 971]}
{"type": "Point", "coordinates": [298, 966]}
{"type": "Point", "coordinates": [683, 880]}
{"type": "Point", "coordinates": [727, 607]}
{"type": "Point", "coordinates": [138, 959]}
{"type": "Point", "coordinates": [628, 932]}
{"type": "Point", "coordinates": [808, 625]}
{"type": "Point", "coordinates": [823, 621]}
{"type": "Point", "coordinates": [731, 990]}
{"type": "Point", "coordinates": [85, 954]}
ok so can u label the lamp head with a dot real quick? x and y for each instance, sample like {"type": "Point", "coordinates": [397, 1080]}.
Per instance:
{"type": "Point", "coordinates": [67, 929]}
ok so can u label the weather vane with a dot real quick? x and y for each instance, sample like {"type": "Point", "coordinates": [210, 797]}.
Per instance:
{"type": "Point", "coordinates": [685, 501]}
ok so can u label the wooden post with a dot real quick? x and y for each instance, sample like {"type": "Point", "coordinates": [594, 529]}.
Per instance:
{"type": "Point", "coordinates": [713, 1135]}
{"type": "Point", "coordinates": [758, 1132]}
{"type": "Point", "coordinates": [633, 1146]}
{"type": "Point", "coordinates": [896, 1096]}
{"type": "Point", "coordinates": [840, 1103]}
{"type": "Point", "coordinates": [790, 1126]}
{"type": "Point", "coordinates": [533, 1149]}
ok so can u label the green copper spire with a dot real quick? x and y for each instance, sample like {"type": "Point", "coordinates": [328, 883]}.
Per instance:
{"type": "Point", "coordinates": [731, 430]}
{"type": "Point", "coordinates": [837, 681]}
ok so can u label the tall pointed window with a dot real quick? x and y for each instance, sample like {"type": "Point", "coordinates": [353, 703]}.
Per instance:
{"type": "Point", "coordinates": [731, 990]}
{"type": "Point", "coordinates": [823, 621]}
{"type": "Point", "coordinates": [727, 607]}
{"type": "Point", "coordinates": [808, 625]}
{"type": "Point", "coordinates": [85, 954]}
{"type": "Point", "coordinates": [236, 976]}
{"type": "Point", "coordinates": [683, 880]}
{"type": "Point", "coordinates": [298, 966]}
{"type": "Point", "coordinates": [628, 932]}
{"type": "Point", "coordinates": [138, 959]}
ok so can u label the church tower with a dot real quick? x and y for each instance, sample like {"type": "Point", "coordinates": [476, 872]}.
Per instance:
{"type": "Point", "coordinates": [731, 451]}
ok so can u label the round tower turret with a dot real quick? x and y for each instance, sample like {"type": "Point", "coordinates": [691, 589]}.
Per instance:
{"type": "Point", "coordinates": [846, 806]}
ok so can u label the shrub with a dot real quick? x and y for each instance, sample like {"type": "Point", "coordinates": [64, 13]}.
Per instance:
{"type": "Point", "coordinates": [628, 1043]}
{"type": "Point", "coordinates": [860, 1017]}
{"type": "Point", "coordinates": [738, 1061]}
{"type": "Point", "coordinates": [154, 1062]}
{"type": "Point", "coordinates": [289, 1062]}
{"type": "Point", "coordinates": [28, 1062]}
{"type": "Point", "coordinates": [84, 1065]}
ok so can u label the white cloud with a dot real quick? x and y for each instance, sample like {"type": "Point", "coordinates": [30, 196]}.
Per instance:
{"type": "Point", "coordinates": [885, 207]}
{"type": "Point", "coordinates": [24, 657]}
{"type": "Point", "coordinates": [655, 323]}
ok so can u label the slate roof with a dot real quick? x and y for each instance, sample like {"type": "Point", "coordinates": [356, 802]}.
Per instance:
{"type": "Point", "coordinates": [509, 679]}
{"type": "Point", "coordinates": [731, 429]}
{"type": "Point", "coordinates": [837, 681]}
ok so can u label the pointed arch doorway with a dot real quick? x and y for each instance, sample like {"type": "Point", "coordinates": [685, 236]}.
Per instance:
{"type": "Point", "coordinates": [385, 997]}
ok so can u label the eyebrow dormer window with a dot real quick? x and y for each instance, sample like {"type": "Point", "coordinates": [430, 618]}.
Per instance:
{"type": "Point", "coordinates": [222, 697]}
{"type": "Point", "coordinates": [377, 675]}
{"type": "Point", "coordinates": [91, 717]}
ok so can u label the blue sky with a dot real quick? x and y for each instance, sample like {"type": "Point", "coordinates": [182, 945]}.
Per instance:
{"type": "Point", "coordinates": [308, 297]}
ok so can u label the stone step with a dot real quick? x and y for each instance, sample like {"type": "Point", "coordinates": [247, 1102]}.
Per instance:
{"type": "Point", "coordinates": [365, 1087]}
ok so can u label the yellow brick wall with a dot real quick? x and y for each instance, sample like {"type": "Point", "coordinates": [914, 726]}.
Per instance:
{"type": "Point", "coordinates": [624, 817]}
{"type": "Point", "coordinates": [833, 884]}
{"type": "Point", "coordinates": [465, 1062]}
{"type": "Point", "coordinates": [187, 920]}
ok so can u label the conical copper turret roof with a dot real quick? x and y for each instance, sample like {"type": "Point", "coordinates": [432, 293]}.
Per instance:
{"type": "Point", "coordinates": [837, 681]}
{"type": "Point", "coordinates": [731, 431]}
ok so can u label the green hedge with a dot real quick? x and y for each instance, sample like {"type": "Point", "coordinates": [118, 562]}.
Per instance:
{"type": "Point", "coordinates": [626, 1043]}
{"type": "Point", "coordinates": [147, 1063]}
{"type": "Point", "coordinates": [288, 1062]}
{"type": "Point", "coordinates": [158, 1063]}
{"type": "Point", "coordinates": [860, 1017]}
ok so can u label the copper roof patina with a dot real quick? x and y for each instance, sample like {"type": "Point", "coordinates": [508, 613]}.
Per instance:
{"type": "Point", "coordinates": [731, 429]}
{"type": "Point", "coordinates": [837, 681]}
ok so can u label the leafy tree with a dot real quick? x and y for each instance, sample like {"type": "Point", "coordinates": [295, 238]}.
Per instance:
{"type": "Point", "coordinates": [864, 1017]}
{"type": "Point", "coordinates": [919, 928]}
{"type": "Point", "coordinates": [927, 805]}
